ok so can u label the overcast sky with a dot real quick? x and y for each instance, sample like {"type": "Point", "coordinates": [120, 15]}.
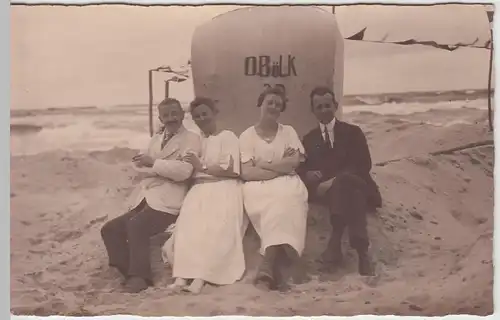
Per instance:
{"type": "Point", "coordinates": [99, 55]}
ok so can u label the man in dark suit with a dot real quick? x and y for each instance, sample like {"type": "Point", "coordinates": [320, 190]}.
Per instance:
{"type": "Point", "coordinates": [337, 173]}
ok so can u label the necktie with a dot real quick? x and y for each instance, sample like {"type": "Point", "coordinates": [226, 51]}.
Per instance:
{"type": "Point", "coordinates": [328, 142]}
{"type": "Point", "coordinates": [166, 137]}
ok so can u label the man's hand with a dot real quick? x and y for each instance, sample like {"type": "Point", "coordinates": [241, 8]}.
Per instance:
{"type": "Point", "coordinates": [313, 176]}
{"type": "Point", "coordinates": [143, 160]}
{"type": "Point", "coordinates": [324, 186]}
{"type": "Point", "coordinates": [192, 159]}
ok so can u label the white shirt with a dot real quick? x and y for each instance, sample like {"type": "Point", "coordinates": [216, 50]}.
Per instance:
{"type": "Point", "coordinates": [329, 128]}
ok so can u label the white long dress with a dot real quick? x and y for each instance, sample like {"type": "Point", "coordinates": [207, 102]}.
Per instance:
{"type": "Point", "coordinates": [208, 239]}
{"type": "Point", "coordinates": [277, 208]}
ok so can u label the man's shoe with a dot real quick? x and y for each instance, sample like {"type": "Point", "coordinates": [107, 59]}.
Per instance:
{"type": "Point", "coordinates": [136, 285]}
{"type": "Point", "coordinates": [365, 265]}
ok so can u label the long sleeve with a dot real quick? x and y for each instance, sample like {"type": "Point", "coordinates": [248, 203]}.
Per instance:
{"type": "Point", "coordinates": [309, 162]}
{"type": "Point", "coordinates": [246, 147]}
{"type": "Point", "coordinates": [361, 162]}
{"type": "Point", "coordinates": [304, 164]}
{"type": "Point", "coordinates": [176, 169]}
{"type": "Point", "coordinates": [230, 150]}
{"type": "Point", "coordinates": [295, 143]}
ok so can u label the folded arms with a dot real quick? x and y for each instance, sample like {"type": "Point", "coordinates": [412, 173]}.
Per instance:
{"type": "Point", "coordinates": [261, 170]}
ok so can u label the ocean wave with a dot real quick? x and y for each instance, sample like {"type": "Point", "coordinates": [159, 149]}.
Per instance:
{"type": "Point", "coordinates": [99, 132]}
{"type": "Point", "coordinates": [79, 136]}
{"type": "Point", "coordinates": [88, 133]}
{"type": "Point", "coordinates": [415, 108]}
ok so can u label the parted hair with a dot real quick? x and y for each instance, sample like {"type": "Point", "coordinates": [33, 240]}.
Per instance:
{"type": "Point", "coordinates": [321, 91]}
{"type": "Point", "coordinates": [198, 101]}
{"type": "Point", "coordinates": [165, 102]}
{"type": "Point", "coordinates": [168, 101]}
{"type": "Point", "coordinates": [272, 90]}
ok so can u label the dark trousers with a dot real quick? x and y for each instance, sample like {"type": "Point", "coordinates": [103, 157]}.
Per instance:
{"type": "Point", "coordinates": [347, 202]}
{"type": "Point", "coordinates": [127, 239]}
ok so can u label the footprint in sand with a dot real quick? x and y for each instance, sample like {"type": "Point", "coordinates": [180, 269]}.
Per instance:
{"type": "Point", "coordinates": [241, 310]}
{"type": "Point", "coordinates": [41, 280]}
{"type": "Point", "coordinates": [40, 252]}
{"type": "Point", "coordinates": [95, 221]}
{"type": "Point", "coordinates": [216, 313]}
{"type": "Point", "coordinates": [35, 241]}
{"type": "Point", "coordinates": [63, 236]}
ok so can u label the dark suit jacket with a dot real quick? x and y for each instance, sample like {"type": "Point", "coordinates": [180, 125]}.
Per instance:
{"type": "Point", "coordinates": [350, 154]}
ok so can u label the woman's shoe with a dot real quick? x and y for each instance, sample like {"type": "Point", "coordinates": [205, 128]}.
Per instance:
{"type": "Point", "coordinates": [196, 286]}
{"type": "Point", "coordinates": [178, 285]}
{"type": "Point", "coordinates": [365, 265]}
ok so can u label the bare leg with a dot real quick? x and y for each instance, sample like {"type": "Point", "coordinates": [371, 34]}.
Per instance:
{"type": "Point", "coordinates": [265, 275]}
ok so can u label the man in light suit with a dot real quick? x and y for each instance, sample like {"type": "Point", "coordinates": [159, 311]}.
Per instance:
{"type": "Point", "coordinates": [156, 201]}
{"type": "Point", "coordinates": [337, 173]}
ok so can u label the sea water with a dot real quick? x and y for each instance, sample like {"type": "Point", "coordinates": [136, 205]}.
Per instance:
{"type": "Point", "coordinates": [104, 129]}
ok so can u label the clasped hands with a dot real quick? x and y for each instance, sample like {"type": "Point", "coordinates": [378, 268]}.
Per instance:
{"type": "Point", "coordinates": [316, 177]}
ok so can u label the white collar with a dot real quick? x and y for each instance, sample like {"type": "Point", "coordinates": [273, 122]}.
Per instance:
{"type": "Point", "coordinates": [329, 126]}
{"type": "Point", "coordinates": [165, 133]}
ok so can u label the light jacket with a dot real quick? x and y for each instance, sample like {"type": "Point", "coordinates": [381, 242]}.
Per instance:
{"type": "Point", "coordinates": [165, 184]}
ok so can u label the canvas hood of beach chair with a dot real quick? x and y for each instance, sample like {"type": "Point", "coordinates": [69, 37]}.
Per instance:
{"type": "Point", "coordinates": [237, 54]}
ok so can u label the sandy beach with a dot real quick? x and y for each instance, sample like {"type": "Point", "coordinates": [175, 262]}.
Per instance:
{"type": "Point", "coordinates": [432, 240]}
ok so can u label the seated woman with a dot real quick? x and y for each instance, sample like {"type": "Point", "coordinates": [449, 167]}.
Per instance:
{"type": "Point", "coordinates": [207, 243]}
{"type": "Point", "coordinates": [275, 198]}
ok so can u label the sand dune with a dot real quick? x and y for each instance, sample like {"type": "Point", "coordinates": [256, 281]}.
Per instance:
{"type": "Point", "coordinates": [432, 240]}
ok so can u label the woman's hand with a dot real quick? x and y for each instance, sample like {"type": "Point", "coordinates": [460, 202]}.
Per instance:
{"type": "Point", "coordinates": [192, 159]}
{"type": "Point", "coordinates": [143, 160]}
{"type": "Point", "coordinates": [289, 152]}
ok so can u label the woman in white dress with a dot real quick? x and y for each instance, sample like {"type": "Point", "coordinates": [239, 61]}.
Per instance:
{"type": "Point", "coordinates": [275, 198]}
{"type": "Point", "coordinates": [207, 241]}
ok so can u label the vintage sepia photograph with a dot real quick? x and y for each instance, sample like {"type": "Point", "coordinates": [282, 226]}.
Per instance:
{"type": "Point", "coordinates": [257, 160]}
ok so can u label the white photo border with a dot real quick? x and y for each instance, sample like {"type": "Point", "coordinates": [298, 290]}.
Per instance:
{"type": "Point", "coordinates": [5, 98]}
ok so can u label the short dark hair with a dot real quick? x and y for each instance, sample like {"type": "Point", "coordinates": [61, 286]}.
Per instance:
{"type": "Point", "coordinates": [272, 90]}
{"type": "Point", "coordinates": [321, 91]}
{"type": "Point", "coordinates": [198, 101]}
{"type": "Point", "coordinates": [168, 101]}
